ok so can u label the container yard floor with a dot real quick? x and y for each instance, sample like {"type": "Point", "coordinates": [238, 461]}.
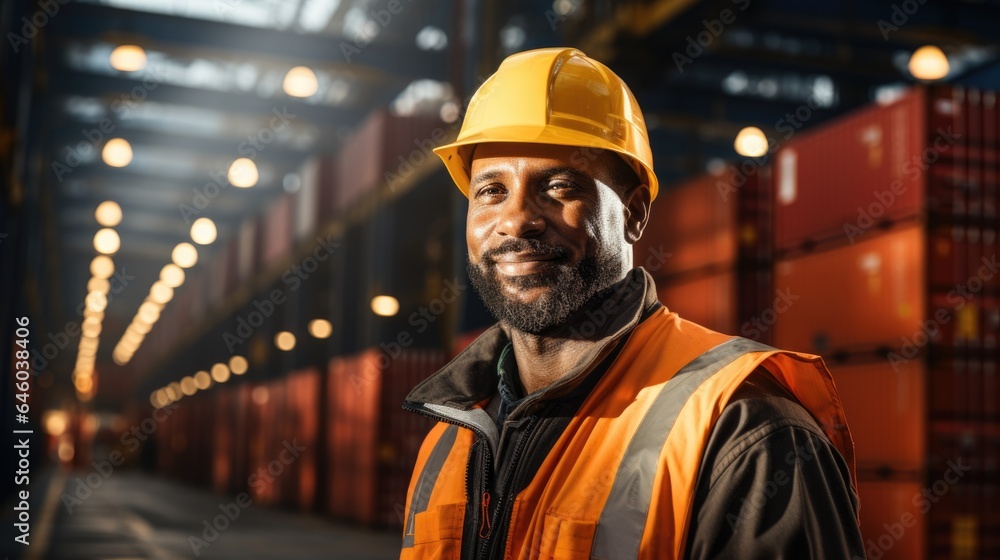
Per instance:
{"type": "Point", "coordinates": [137, 515]}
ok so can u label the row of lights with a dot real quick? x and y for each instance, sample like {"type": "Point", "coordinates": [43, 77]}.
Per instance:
{"type": "Point", "coordinates": [161, 292]}
{"type": "Point", "coordinates": [300, 81]}
{"type": "Point", "coordinates": [927, 63]}
{"type": "Point", "coordinates": [200, 381]}
{"type": "Point", "coordinates": [106, 242]}
{"type": "Point", "coordinates": [318, 328]}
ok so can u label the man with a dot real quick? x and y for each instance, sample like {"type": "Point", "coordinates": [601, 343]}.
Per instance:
{"type": "Point", "coordinates": [592, 422]}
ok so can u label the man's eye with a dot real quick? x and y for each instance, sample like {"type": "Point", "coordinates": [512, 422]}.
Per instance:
{"type": "Point", "coordinates": [560, 187]}
{"type": "Point", "coordinates": [489, 191]}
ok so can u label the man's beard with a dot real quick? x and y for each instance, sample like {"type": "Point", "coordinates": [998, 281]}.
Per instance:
{"type": "Point", "coordinates": [570, 287]}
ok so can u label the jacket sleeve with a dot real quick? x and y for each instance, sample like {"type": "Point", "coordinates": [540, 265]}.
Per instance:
{"type": "Point", "coordinates": [772, 486]}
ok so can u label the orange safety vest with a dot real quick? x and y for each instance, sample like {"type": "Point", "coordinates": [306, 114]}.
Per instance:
{"type": "Point", "coordinates": [620, 481]}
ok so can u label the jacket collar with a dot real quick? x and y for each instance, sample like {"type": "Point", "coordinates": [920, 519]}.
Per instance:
{"type": "Point", "coordinates": [470, 379]}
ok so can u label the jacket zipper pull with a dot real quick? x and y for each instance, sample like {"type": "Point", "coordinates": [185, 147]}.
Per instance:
{"type": "Point", "coordinates": [484, 528]}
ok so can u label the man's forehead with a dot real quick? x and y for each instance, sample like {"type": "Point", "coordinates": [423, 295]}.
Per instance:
{"type": "Point", "coordinates": [512, 153]}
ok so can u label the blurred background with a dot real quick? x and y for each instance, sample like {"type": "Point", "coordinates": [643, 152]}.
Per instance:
{"type": "Point", "coordinates": [236, 254]}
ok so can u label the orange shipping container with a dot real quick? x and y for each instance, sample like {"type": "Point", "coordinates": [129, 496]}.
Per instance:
{"type": "Point", "coordinates": [886, 411]}
{"type": "Point", "coordinates": [691, 227]}
{"type": "Point", "coordinates": [892, 524]}
{"type": "Point", "coordinates": [373, 442]}
{"type": "Point", "coordinates": [708, 300]}
{"type": "Point", "coordinates": [852, 298]}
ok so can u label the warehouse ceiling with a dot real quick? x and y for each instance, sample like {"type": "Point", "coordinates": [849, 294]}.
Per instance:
{"type": "Point", "coordinates": [211, 92]}
{"type": "Point", "coordinates": [213, 87]}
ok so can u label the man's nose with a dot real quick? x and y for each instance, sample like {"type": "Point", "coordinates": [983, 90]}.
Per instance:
{"type": "Point", "coordinates": [521, 215]}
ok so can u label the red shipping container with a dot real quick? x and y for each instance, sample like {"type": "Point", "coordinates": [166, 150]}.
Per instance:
{"type": "Point", "coordinates": [373, 442]}
{"type": "Point", "coordinates": [327, 177]}
{"type": "Point", "coordinates": [384, 148]}
{"type": "Point", "coordinates": [302, 431]}
{"type": "Point", "coordinates": [693, 226]}
{"type": "Point", "coordinates": [306, 199]}
{"type": "Point", "coordinates": [277, 231]}
{"type": "Point", "coordinates": [247, 253]}
{"type": "Point", "coordinates": [853, 298]}
{"type": "Point", "coordinates": [877, 165]}
{"type": "Point", "coordinates": [222, 449]}
{"type": "Point", "coordinates": [892, 525]}
{"type": "Point", "coordinates": [708, 300]}
{"type": "Point", "coordinates": [886, 413]}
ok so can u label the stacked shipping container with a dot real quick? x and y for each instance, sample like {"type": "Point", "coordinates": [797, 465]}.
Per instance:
{"type": "Point", "coordinates": [265, 437]}
{"type": "Point", "coordinates": [886, 226]}
{"type": "Point", "coordinates": [707, 245]}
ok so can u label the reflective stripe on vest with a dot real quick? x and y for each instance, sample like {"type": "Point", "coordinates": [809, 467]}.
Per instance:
{"type": "Point", "coordinates": [428, 479]}
{"type": "Point", "coordinates": [619, 531]}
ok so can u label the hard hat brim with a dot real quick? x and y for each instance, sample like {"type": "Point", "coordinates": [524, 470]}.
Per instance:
{"type": "Point", "coordinates": [457, 156]}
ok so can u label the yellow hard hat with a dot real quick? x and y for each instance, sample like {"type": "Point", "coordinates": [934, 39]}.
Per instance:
{"type": "Point", "coordinates": [553, 96]}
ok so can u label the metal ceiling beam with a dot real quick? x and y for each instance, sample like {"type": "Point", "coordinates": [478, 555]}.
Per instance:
{"type": "Point", "coordinates": [86, 20]}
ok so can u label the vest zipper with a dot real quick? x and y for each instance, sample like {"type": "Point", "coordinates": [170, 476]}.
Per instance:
{"type": "Point", "coordinates": [502, 491]}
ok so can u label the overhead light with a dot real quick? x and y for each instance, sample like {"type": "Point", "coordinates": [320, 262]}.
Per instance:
{"type": "Point", "coordinates": [172, 394]}
{"type": "Point", "coordinates": [55, 422]}
{"type": "Point", "coordinates": [386, 306]}
{"type": "Point", "coordinates": [203, 231]}
{"type": "Point", "coordinates": [176, 388]}
{"type": "Point", "coordinates": [300, 82]}
{"type": "Point", "coordinates": [91, 329]}
{"type": "Point", "coordinates": [284, 340]}
{"type": "Point", "coordinates": [751, 142]}
{"type": "Point", "coordinates": [188, 387]}
{"type": "Point", "coordinates": [243, 173]}
{"type": "Point", "coordinates": [929, 63]}
{"type": "Point", "coordinates": [148, 312]}
{"type": "Point", "coordinates": [102, 267]}
{"type": "Point", "coordinates": [106, 241]}
{"type": "Point", "coordinates": [108, 213]}
{"type": "Point", "coordinates": [220, 373]}
{"type": "Point", "coordinates": [172, 275]}
{"type": "Point", "coordinates": [128, 58]}
{"type": "Point", "coordinates": [184, 255]}
{"type": "Point", "coordinates": [238, 365]}
{"type": "Point", "coordinates": [160, 293]}
{"type": "Point", "coordinates": [117, 152]}
{"type": "Point", "coordinates": [98, 285]}
{"type": "Point", "coordinates": [202, 380]}
{"type": "Point", "coordinates": [96, 301]}
{"type": "Point", "coordinates": [320, 328]}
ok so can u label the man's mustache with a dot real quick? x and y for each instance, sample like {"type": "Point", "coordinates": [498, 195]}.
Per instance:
{"type": "Point", "coordinates": [524, 246]}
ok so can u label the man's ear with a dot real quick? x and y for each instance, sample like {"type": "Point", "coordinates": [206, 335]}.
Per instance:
{"type": "Point", "coordinates": [637, 203]}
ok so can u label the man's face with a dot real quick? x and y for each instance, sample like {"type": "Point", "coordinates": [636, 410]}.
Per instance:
{"type": "Point", "coordinates": [548, 230]}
